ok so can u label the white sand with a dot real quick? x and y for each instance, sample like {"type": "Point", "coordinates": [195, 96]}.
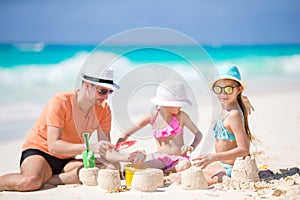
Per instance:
{"type": "Point", "coordinates": [276, 123]}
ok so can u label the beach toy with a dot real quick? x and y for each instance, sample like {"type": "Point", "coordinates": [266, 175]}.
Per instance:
{"type": "Point", "coordinates": [125, 144]}
{"type": "Point", "coordinates": [245, 170]}
{"type": "Point", "coordinates": [144, 181]}
{"type": "Point", "coordinates": [89, 176]}
{"type": "Point", "coordinates": [263, 167]}
{"type": "Point", "coordinates": [130, 169]}
{"type": "Point", "coordinates": [88, 155]}
{"type": "Point", "coordinates": [109, 179]}
{"type": "Point", "coordinates": [193, 179]}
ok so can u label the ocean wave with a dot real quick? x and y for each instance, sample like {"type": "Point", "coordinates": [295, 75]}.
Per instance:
{"type": "Point", "coordinates": [39, 82]}
{"type": "Point", "coordinates": [291, 64]}
{"type": "Point", "coordinates": [254, 66]}
{"type": "Point", "coordinates": [34, 47]}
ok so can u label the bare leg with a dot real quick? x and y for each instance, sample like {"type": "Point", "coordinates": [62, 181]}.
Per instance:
{"type": "Point", "coordinates": [35, 171]}
{"type": "Point", "coordinates": [214, 173]}
{"type": "Point", "coordinates": [174, 177]}
{"type": "Point", "coordinates": [155, 163]}
{"type": "Point", "coordinates": [69, 174]}
{"type": "Point", "coordinates": [176, 171]}
{"type": "Point", "coordinates": [178, 167]}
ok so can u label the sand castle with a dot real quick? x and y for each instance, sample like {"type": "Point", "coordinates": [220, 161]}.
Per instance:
{"type": "Point", "coordinates": [144, 181]}
{"type": "Point", "coordinates": [89, 176]}
{"type": "Point", "coordinates": [159, 176]}
{"type": "Point", "coordinates": [193, 178]}
{"type": "Point", "coordinates": [130, 169]}
{"type": "Point", "coordinates": [143, 178]}
{"type": "Point", "coordinates": [109, 179]}
{"type": "Point", "coordinates": [244, 175]}
{"type": "Point", "coordinates": [105, 178]}
{"type": "Point", "coordinates": [245, 170]}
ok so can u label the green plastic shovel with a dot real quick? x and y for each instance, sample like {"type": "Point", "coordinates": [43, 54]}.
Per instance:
{"type": "Point", "coordinates": [88, 155]}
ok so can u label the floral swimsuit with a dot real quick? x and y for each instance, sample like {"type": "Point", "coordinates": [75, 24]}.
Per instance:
{"type": "Point", "coordinates": [172, 129]}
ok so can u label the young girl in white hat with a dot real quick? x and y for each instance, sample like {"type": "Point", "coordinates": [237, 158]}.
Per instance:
{"type": "Point", "coordinates": [168, 121]}
{"type": "Point", "coordinates": [231, 131]}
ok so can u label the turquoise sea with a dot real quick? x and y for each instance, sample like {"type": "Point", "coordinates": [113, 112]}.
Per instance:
{"type": "Point", "coordinates": [30, 73]}
{"type": "Point", "coordinates": [25, 54]}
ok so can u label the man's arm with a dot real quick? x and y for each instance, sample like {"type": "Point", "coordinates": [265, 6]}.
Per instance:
{"type": "Point", "coordinates": [59, 147]}
{"type": "Point", "coordinates": [114, 156]}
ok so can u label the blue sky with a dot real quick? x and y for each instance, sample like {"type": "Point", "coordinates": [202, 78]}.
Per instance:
{"type": "Point", "coordinates": [208, 22]}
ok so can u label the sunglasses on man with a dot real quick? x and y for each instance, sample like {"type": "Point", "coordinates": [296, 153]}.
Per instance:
{"type": "Point", "coordinates": [104, 91]}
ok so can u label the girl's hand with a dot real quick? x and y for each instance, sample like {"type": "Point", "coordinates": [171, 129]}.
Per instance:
{"type": "Point", "coordinates": [187, 150]}
{"type": "Point", "coordinates": [247, 104]}
{"type": "Point", "coordinates": [122, 138]}
{"type": "Point", "coordinates": [203, 160]}
{"type": "Point", "coordinates": [137, 158]}
{"type": "Point", "coordinates": [101, 147]}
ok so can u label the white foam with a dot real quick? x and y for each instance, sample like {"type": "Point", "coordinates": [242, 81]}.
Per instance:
{"type": "Point", "coordinates": [291, 64]}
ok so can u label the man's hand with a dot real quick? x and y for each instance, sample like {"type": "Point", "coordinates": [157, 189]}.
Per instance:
{"type": "Point", "coordinates": [101, 147]}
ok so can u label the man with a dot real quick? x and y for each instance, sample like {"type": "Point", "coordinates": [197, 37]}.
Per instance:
{"type": "Point", "coordinates": [48, 154]}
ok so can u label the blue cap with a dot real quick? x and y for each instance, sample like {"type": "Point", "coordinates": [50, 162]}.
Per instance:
{"type": "Point", "coordinates": [229, 72]}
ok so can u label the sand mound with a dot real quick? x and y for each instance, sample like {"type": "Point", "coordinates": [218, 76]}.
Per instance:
{"type": "Point", "coordinates": [88, 176]}
{"type": "Point", "coordinates": [193, 178]}
{"type": "Point", "coordinates": [159, 176]}
{"type": "Point", "coordinates": [284, 183]}
{"type": "Point", "coordinates": [244, 170]}
{"type": "Point", "coordinates": [109, 179]}
{"type": "Point", "coordinates": [144, 181]}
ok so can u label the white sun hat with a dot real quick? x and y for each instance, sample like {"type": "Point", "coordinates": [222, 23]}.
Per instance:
{"type": "Point", "coordinates": [100, 75]}
{"type": "Point", "coordinates": [171, 93]}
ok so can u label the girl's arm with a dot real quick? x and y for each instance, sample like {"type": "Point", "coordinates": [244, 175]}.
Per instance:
{"type": "Point", "coordinates": [114, 156]}
{"type": "Point", "coordinates": [193, 128]}
{"type": "Point", "coordinates": [142, 123]}
{"type": "Point", "coordinates": [236, 126]}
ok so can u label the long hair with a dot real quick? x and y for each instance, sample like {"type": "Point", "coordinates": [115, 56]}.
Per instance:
{"type": "Point", "coordinates": [245, 114]}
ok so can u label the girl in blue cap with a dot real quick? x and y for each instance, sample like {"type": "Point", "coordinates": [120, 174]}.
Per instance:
{"type": "Point", "coordinates": [231, 131]}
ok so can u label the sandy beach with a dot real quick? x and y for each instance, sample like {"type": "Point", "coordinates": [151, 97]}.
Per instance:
{"type": "Point", "coordinates": [275, 123]}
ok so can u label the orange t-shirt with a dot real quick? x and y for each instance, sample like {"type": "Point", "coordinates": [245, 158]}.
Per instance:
{"type": "Point", "coordinates": [63, 112]}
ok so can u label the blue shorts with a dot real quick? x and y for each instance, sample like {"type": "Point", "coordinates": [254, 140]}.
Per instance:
{"type": "Point", "coordinates": [56, 164]}
{"type": "Point", "coordinates": [227, 167]}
